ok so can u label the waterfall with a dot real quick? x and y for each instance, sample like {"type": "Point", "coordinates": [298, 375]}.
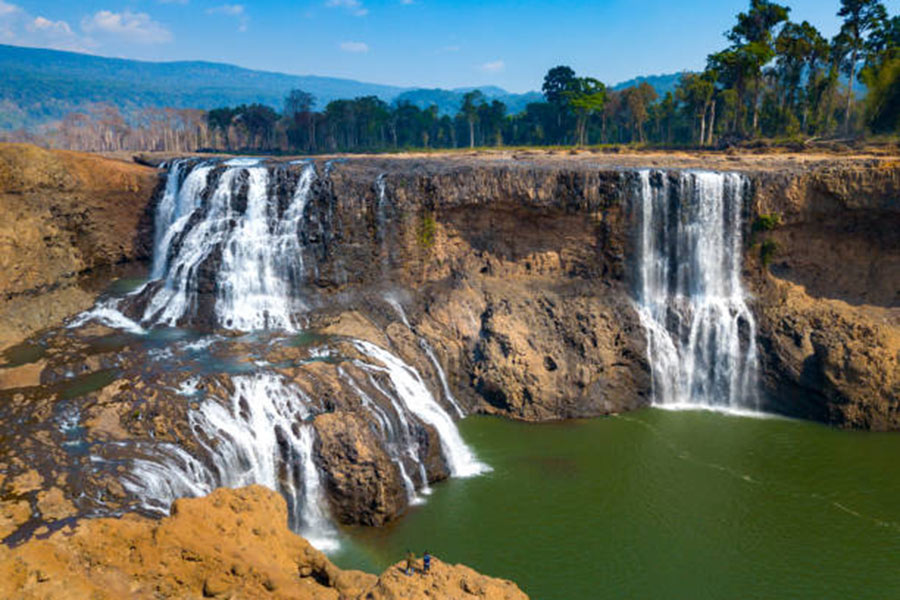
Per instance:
{"type": "Point", "coordinates": [700, 331]}
{"type": "Point", "coordinates": [260, 437]}
{"type": "Point", "coordinates": [229, 243]}
{"type": "Point", "coordinates": [442, 376]}
{"type": "Point", "coordinates": [416, 399]}
{"type": "Point", "coordinates": [238, 229]}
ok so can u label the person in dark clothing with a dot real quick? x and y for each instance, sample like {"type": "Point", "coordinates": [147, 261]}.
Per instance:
{"type": "Point", "coordinates": [426, 562]}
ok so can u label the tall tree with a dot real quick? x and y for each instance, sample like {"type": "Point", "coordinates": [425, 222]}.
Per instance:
{"type": "Point", "coordinates": [298, 107]}
{"type": "Point", "coordinates": [740, 66]}
{"type": "Point", "coordinates": [586, 96]}
{"type": "Point", "coordinates": [881, 75]}
{"type": "Point", "coordinates": [471, 103]}
{"type": "Point", "coordinates": [799, 49]}
{"type": "Point", "coordinates": [861, 18]}
{"type": "Point", "coordinates": [558, 82]}
{"type": "Point", "coordinates": [695, 92]}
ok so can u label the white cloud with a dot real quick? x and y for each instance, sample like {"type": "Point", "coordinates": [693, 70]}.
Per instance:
{"type": "Point", "coordinates": [232, 10]}
{"type": "Point", "coordinates": [450, 49]}
{"type": "Point", "coordinates": [130, 26]}
{"type": "Point", "coordinates": [54, 27]}
{"type": "Point", "coordinates": [7, 9]}
{"type": "Point", "coordinates": [356, 47]}
{"type": "Point", "coordinates": [407, 2]}
{"type": "Point", "coordinates": [22, 29]}
{"type": "Point", "coordinates": [355, 7]}
{"type": "Point", "coordinates": [493, 67]}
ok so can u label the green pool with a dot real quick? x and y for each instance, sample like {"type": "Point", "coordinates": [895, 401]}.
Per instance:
{"type": "Point", "coordinates": [659, 504]}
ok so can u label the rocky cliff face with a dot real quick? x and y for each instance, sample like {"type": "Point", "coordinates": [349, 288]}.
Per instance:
{"type": "Point", "coordinates": [829, 301]}
{"type": "Point", "coordinates": [514, 275]}
{"type": "Point", "coordinates": [66, 216]}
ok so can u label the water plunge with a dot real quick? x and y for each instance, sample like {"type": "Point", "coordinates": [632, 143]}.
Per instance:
{"type": "Point", "coordinates": [700, 331]}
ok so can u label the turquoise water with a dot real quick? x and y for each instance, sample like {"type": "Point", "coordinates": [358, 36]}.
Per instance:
{"type": "Point", "coordinates": [659, 504]}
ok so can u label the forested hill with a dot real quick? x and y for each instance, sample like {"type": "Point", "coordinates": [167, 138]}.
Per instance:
{"type": "Point", "coordinates": [38, 86]}
{"type": "Point", "coordinates": [450, 101]}
{"type": "Point", "coordinates": [662, 84]}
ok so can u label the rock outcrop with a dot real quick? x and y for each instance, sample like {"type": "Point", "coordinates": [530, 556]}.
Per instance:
{"type": "Point", "coordinates": [828, 301]}
{"type": "Point", "coordinates": [230, 544]}
{"type": "Point", "coordinates": [66, 215]}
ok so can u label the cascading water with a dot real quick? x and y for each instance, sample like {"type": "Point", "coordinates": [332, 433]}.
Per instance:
{"type": "Point", "coordinates": [257, 248]}
{"type": "Point", "coordinates": [229, 241]}
{"type": "Point", "coordinates": [262, 438]}
{"type": "Point", "coordinates": [417, 400]}
{"type": "Point", "coordinates": [259, 437]}
{"type": "Point", "coordinates": [700, 331]}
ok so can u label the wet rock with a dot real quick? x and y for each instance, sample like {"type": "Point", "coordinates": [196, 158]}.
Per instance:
{"type": "Point", "coordinates": [364, 485]}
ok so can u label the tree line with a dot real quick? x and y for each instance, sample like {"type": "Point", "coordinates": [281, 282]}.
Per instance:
{"type": "Point", "coordinates": [775, 79]}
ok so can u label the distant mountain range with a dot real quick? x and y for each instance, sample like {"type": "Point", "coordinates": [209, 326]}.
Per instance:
{"type": "Point", "coordinates": [661, 83]}
{"type": "Point", "coordinates": [39, 86]}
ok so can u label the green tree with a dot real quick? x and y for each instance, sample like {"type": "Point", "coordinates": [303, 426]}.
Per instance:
{"type": "Point", "coordinates": [491, 117]}
{"type": "Point", "coordinates": [752, 48]}
{"type": "Point", "coordinates": [800, 49]}
{"type": "Point", "coordinates": [586, 96]}
{"type": "Point", "coordinates": [696, 92]}
{"type": "Point", "coordinates": [881, 74]}
{"type": "Point", "coordinates": [298, 110]}
{"type": "Point", "coordinates": [861, 18]}
{"type": "Point", "coordinates": [469, 110]}
{"type": "Point", "coordinates": [557, 83]}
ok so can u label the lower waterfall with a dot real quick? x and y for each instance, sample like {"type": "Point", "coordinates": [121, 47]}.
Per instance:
{"type": "Point", "coordinates": [700, 331]}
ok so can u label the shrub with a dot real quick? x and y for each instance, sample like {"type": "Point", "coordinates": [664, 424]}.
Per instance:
{"type": "Point", "coordinates": [767, 252]}
{"type": "Point", "coordinates": [766, 222]}
{"type": "Point", "coordinates": [427, 232]}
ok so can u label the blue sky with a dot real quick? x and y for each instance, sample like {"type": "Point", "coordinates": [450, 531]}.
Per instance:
{"type": "Point", "coordinates": [423, 43]}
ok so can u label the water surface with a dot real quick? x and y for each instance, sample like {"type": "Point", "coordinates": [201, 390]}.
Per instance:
{"type": "Point", "coordinates": [661, 504]}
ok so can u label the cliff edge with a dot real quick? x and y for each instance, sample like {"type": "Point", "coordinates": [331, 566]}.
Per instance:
{"type": "Point", "coordinates": [233, 543]}
{"type": "Point", "coordinates": [65, 215]}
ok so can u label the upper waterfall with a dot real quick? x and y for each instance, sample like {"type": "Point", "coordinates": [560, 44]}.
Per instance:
{"type": "Point", "coordinates": [700, 331]}
{"type": "Point", "coordinates": [224, 236]}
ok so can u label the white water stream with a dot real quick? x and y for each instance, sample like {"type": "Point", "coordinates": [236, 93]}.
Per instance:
{"type": "Point", "coordinates": [700, 331]}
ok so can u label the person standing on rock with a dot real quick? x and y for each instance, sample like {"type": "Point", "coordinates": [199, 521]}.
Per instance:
{"type": "Point", "coordinates": [410, 562]}
{"type": "Point", "coordinates": [426, 562]}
